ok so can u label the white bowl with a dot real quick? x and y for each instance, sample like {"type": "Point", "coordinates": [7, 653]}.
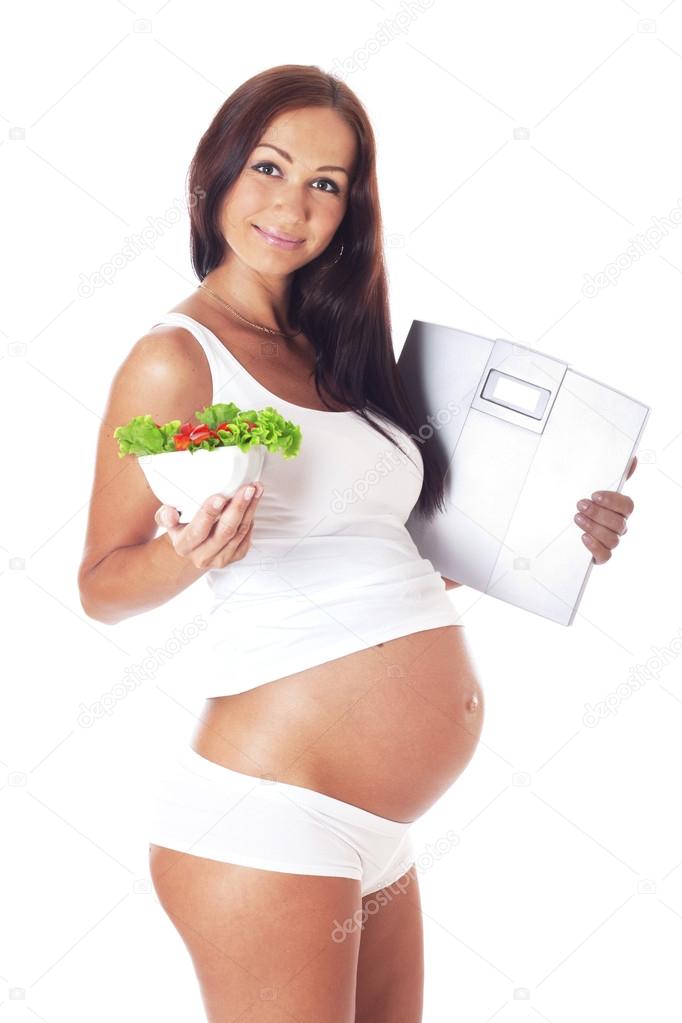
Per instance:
{"type": "Point", "coordinates": [184, 479]}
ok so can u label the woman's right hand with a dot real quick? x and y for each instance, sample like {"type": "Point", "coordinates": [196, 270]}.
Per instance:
{"type": "Point", "coordinates": [216, 536]}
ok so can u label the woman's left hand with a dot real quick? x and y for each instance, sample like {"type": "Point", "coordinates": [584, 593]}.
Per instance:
{"type": "Point", "coordinates": [604, 519]}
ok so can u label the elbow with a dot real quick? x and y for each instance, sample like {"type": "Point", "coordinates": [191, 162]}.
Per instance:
{"type": "Point", "coordinates": [84, 595]}
{"type": "Point", "coordinates": [90, 606]}
{"type": "Point", "coordinates": [98, 615]}
{"type": "Point", "coordinates": [90, 609]}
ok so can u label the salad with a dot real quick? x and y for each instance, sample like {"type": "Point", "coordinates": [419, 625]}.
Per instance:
{"type": "Point", "coordinates": [221, 425]}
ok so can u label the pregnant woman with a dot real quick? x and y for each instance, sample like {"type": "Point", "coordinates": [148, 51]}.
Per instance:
{"type": "Point", "coordinates": [341, 701]}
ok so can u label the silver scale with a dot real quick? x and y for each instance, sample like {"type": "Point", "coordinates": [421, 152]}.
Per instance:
{"type": "Point", "coordinates": [522, 437]}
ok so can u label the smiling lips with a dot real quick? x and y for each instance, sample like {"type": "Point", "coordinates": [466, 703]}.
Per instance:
{"type": "Point", "coordinates": [279, 241]}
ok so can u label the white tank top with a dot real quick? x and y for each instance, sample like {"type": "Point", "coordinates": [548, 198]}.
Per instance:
{"type": "Point", "coordinates": [331, 568]}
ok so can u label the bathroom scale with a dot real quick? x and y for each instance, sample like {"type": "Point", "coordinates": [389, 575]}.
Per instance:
{"type": "Point", "coordinates": [521, 436]}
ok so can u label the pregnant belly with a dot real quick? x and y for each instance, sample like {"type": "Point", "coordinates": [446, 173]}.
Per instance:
{"type": "Point", "coordinates": [388, 728]}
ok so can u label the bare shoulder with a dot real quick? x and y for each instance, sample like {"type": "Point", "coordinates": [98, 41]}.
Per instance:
{"type": "Point", "coordinates": [165, 375]}
{"type": "Point", "coordinates": [168, 349]}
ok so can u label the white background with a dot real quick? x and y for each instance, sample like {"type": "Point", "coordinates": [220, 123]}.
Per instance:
{"type": "Point", "coordinates": [521, 147]}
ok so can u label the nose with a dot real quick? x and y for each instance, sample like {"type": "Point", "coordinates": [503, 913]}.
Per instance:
{"type": "Point", "coordinates": [291, 207]}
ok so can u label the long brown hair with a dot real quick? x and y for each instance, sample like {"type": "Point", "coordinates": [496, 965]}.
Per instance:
{"type": "Point", "coordinates": [343, 307]}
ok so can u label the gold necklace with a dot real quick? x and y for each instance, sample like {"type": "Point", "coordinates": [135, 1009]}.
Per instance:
{"type": "Point", "coordinates": [258, 326]}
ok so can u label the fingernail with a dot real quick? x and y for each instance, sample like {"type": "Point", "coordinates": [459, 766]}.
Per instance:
{"type": "Point", "coordinates": [597, 497]}
{"type": "Point", "coordinates": [583, 505]}
{"type": "Point", "coordinates": [217, 503]}
{"type": "Point", "coordinates": [248, 493]}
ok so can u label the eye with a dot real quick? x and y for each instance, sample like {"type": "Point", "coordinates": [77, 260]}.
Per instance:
{"type": "Point", "coordinates": [327, 181]}
{"type": "Point", "coordinates": [263, 163]}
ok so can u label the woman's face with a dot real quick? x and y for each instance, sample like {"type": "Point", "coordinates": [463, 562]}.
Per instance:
{"type": "Point", "coordinates": [290, 195]}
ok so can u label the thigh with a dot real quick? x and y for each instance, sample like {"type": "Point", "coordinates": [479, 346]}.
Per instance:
{"type": "Point", "coordinates": [264, 944]}
{"type": "Point", "coordinates": [390, 976]}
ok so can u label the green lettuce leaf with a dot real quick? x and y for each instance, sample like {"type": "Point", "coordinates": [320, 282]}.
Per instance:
{"type": "Point", "coordinates": [212, 415]}
{"type": "Point", "coordinates": [141, 436]}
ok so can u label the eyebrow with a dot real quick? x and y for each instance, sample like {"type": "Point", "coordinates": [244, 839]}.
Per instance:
{"type": "Point", "coordinates": [286, 156]}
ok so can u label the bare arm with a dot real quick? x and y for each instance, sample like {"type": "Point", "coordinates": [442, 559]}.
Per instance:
{"type": "Point", "coordinates": [126, 569]}
{"type": "Point", "coordinates": [135, 579]}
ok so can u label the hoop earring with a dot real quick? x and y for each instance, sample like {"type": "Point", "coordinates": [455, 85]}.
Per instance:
{"type": "Point", "coordinates": [328, 266]}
